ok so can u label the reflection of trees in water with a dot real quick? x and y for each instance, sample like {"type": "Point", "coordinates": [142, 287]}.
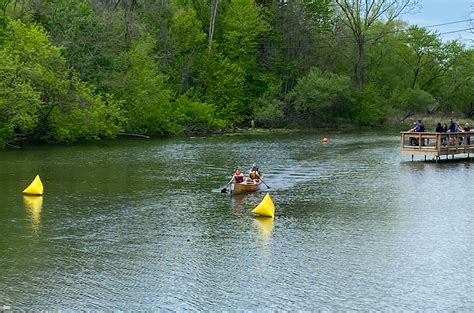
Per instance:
{"type": "Point", "coordinates": [34, 205]}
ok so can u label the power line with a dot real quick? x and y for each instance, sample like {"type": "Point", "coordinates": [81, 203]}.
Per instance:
{"type": "Point", "coordinates": [456, 31]}
{"type": "Point", "coordinates": [368, 38]}
{"type": "Point", "coordinates": [448, 23]}
{"type": "Point", "coordinates": [401, 31]}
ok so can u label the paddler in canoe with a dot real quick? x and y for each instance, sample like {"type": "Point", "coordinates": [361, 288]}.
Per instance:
{"type": "Point", "coordinates": [254, 173]}
{"type": "Point", "coordinates": [239, 184]}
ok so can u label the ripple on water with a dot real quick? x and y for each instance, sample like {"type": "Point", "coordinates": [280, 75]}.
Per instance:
{"type": "Point", "coordinates": [136, 225]}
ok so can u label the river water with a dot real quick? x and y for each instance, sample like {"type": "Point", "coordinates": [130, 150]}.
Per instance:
{"type": "Point", "coordinates": [141, 224]}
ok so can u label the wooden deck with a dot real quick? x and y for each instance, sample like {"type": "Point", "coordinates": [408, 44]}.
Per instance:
{"type": "Point", "coordinates": [435, 145]}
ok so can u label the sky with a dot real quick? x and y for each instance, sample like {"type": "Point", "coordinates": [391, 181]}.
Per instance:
{"type": "Point", "coordinates": [433, 12]}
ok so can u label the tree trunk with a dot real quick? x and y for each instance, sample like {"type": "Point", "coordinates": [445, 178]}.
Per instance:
{"type": "Point", "coordinates": [128, 18]}
{"type": "Point", "coordinates": [212, 23]}
{"type": "Point", "coordinates": [415, 77]}
{"type": "Point", "coordinates": [359, 71]}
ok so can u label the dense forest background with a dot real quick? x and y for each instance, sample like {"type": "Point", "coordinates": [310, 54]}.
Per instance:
{"type": "Point", "coordinates": [85, 69]}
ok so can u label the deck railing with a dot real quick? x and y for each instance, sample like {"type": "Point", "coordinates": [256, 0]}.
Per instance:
{"type": "Point", "coordinates": [437, 144]}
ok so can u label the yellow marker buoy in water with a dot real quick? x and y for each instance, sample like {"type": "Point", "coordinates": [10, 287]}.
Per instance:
{"type": "Point", "coordinates": [266, 207]}
{"type": "Point", "coordinates": [35, 188]}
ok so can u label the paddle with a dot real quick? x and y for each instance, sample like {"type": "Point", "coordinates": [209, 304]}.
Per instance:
{"type": "Point", "coordinates": [265, 183]}
{"type": "Point", "coordinates": [224, 190]}
{"type": "Point", "coordinates": [260, 177]}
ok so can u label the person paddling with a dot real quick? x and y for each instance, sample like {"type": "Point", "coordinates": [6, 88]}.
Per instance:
{"type": "Point", "coordinates": [254, 173]}
{"type": "Point", "coordinates": [238, 176]}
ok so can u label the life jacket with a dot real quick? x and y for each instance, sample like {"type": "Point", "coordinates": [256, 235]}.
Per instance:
{"type": "Point", "coordinates": [239, 179]}
{"type": "Point", "coordinates": [254, 175]}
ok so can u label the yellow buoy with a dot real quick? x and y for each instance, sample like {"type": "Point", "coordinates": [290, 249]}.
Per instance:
{"type": "Point", "coordinates": [266, 207]}
{"type": "Point", "coordinates": [35, 188]}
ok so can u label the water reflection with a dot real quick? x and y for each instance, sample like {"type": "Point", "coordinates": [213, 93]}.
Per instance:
{"type": "Point", "coordinates": [264, 226]}
{"type": "Point", "coordinates": [237, 202]}
{"type": "Point", "coordinates": [34, 205]}
{"type": "Point", "coordinates": [358, 229]}
{"type": "Point", "coordinates": [241, 202]}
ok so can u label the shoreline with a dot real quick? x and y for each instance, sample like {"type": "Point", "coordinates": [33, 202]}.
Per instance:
{"type": "Point", "coordinates": [389, 126]}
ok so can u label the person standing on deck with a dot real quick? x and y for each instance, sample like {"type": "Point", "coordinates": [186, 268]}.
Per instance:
{"type": "Point", "coordinates": [416, 129]}
{"type": "Point", "coordinates": [441, 129]}
{"type": "Point", "coordinates": [422, 129]}
{"type": "Point", "coordinates": [467, 128]}
{"type": "Point", "coordinates": [453, 127]}
{"type": "Point", "coordinates": [445, 128]}
{"type": "Point", "coordinates": [421, 126]}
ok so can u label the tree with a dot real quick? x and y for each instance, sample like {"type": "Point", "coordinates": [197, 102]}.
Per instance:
{"type": "Point", "coordinates": [41, 99]}
{"type": "Point", "coordinates": [242, 26]}
{"type": "Point", "coordinates": [360, 17]}
{"type": "Point", "coordinates": [296, 24]}
{"type": "Point", "coordinates": [427, 58]}
{"type": "Point", "coordinates": [147, 98]}
{"type": "Point", "coordinates": [321, 97]}
{"type": "Point", "coordinates": [457, 89]}
{"type": "Point", "coordinates": [187, 43]}
{"type": "Point", "coordinates": [369, 106]}
{"type": "Point", "coordinates": [411, 101]}
{"type": "Point", "coordinates": [221, 83]}
{"type": "Point", "coordinates": [386, 69]}
{"type": "Point", "coordinates": [3, 18]}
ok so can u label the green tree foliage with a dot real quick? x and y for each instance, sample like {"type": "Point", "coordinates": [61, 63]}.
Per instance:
{"type": "Point", "coordinates": [221, 83]}
{"type": "Point", "coordinates": [195, 116]}
{"type": "Point", "coordinates": [41, 99]}
{"type": "Point", "coordinates": [269, 109]}
{"type": "Point", "coordinates": [3, 19]}
{"type": "Point", "coordinates": [147, 100]}
{"type": "Point", "coordinates": [321, 96]}
{"type": "Point", "coordinates": [91, 42]}
{"type": "Point", "coordinates": [413, 101]}
{"type": "Point", "coordinates": [457, 89]}
{"type": "Point", "coordinates": [80, 69]}
{"type": "Point", "coordinates": [188, 43]}
{"type": "Point", "coordinates": [369, 106]}
{"type": "Point", "coordinates": [242, 27]}
{"type": "Point", "coordinates": [361, 17]}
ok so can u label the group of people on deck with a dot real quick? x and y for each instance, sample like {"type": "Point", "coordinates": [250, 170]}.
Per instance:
{"type": "Point", "coordinates": [419, 127]}
{"type": "Point", "coordinates": [253, 175]}
{"type": "Point", "coordinates": [454, 127]}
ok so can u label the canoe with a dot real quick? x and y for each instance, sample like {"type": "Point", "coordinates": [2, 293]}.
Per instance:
{"type": "Point", "coordinates": [245, 187]}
